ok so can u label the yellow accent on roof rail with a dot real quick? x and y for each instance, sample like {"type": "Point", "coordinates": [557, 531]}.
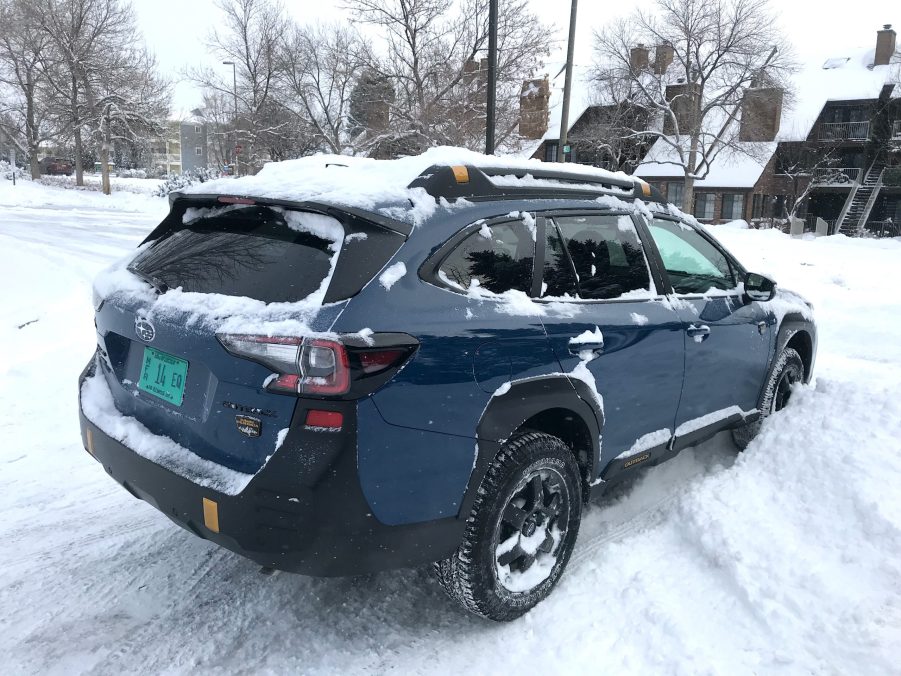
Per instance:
{"type": "Point", "coordinates": [645, 188]}
{"type": "Point", "coordinates": [461, 173]}
{"type": "Point", "coordinates": [211, 515]}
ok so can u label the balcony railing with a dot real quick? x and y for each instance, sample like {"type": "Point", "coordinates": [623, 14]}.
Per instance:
{"type": "Point", "coordinates": [844, 131]}
{"type": "Point", "coordinates": [837, 175]}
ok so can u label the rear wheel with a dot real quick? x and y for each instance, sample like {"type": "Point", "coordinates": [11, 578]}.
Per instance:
{"type": "Point", "coordinates": [788, 370]}
{"type": "Point", "coordinates": [520, 532]}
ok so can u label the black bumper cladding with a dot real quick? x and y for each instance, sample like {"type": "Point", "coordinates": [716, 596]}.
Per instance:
{"type": "Point", "coordinates": [304, 512]}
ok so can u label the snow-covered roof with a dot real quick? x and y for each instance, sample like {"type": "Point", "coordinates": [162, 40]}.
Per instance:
{"type": "Point", "coordinates": [370, 184]}
{"type": "Point", "coordinates": [732, 168]}
{"type": "Point", "coordinates": [581, 93]}
{"type": "Point", "coordinates": [845, 75]}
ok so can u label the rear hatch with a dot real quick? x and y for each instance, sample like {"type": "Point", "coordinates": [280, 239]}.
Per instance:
{"type": "Point", "coordinates": [213, 272]}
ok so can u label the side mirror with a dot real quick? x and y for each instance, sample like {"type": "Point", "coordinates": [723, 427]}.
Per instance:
{"type": "Point", "coordinates": [759, 287]}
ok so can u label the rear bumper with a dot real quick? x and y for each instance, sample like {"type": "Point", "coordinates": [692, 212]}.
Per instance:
{"type": "Point", "coordinates": [284, 518]}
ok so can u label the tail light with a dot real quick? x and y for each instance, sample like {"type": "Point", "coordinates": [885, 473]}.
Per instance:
{"type": "Point", "coordinates": [324, 367]}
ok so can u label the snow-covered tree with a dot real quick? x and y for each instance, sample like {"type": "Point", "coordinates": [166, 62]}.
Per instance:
{"type": "Point", "coordinates": [717, 51]}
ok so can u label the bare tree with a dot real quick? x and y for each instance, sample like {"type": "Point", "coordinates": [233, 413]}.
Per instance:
{"type": "Point", "coordinates": [319, 68]}
{"type": "Point", "coordinates": [25, 54]}
{"type": "Point", "coordinates": [434, 65]}
{"type": "Point", "coordinates": [249, 36]}
{"type": "Point", "coordinates": [719, 50]}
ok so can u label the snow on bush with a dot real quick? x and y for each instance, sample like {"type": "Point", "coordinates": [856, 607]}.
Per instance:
{"type": "Point", "coordinates": [131, 173]}
{"type": "Point", "coordinates": [178, 182]}
{"type": "Point", "coordinates": [7, 172]}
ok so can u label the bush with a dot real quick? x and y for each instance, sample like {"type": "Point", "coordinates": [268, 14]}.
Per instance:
{"type": "Point", "coordinates": [176, 182]}
{"type": "Point", "coordinates": [7, 170]}
{"type": "Point", "coordinates": [131, 173]}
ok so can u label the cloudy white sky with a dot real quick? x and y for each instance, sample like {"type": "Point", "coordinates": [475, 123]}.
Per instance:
{"type": "Point", "coordinates": [176, 29]}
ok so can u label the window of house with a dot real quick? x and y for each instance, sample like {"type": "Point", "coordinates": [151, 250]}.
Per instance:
{"type": "Point", "coordinates": [498, 263]}
{"type": "Point", "coordinates": [603, 250]}
{"type": "Point", "coordinates": [196, 128]}
{"type": "Point", "coordinates": [693, 264]}
{"type": "Point", "coordinates": [550, 152]}
{"type": "Point", "coordinates": [733, 206]}
{"type": "Point", "coordinates": [674, 193]}
{"type": "Point", "coordinates": [779, 210]}
{"type": "Point", "coordinates": [704, 202]}
{"type": "Point", "coordinates": [198, 151]}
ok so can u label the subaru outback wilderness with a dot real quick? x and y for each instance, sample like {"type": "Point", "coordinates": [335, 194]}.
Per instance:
{"type": "Point", "coordinates": [444, 378]}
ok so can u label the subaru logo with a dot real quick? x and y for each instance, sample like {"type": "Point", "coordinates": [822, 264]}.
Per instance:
{"type": "Point", "coordinates": [144, 329]}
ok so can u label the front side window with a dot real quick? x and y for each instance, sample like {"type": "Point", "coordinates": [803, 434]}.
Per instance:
{"type": "Point", "coordinates": [497, 258]}
{"type": "Point", "coordinates": [704, 205]}
{"type": "Point", "coordinates": [604, 251]}
{"type": "Point", "coordinates": [693, 264]}
{"type": "Point", "coordinates": [733, 206]}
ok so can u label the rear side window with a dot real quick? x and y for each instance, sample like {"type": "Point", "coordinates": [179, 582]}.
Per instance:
{"type": "Point", "coordinates": [693, 264]}
{"type": "Point", "coordinates": [606, 254]}
{"type": "Point", "coordinates": [497, 258]}
{"type": "Point", "coordinates": [259, 252]}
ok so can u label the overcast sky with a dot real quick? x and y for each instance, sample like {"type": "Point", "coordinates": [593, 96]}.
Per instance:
{"type": "Point", "coordinates": [176, 29]}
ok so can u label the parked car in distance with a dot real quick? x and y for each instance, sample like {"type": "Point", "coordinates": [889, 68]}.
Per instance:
{"type": "Point", "coordinates": [443, 377]}
{"type": "Point", "coordinates": [55, 166]}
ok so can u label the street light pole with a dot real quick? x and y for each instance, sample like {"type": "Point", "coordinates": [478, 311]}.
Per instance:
{"type": "Point", "coordinates": [492, 77]}
{"type": "Point", "coordinates": [564, 122]}
{"type": "Point", "coordinates": [235, 93]}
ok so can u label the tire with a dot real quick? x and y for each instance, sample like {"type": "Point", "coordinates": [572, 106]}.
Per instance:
{"type": "Point", "coordinates": [788, 370]}
{"type": "Point", "coordinates": [533, 484]}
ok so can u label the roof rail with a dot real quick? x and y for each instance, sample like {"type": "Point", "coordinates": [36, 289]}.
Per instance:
{"type": "Point", "coordinates": [475, 183]}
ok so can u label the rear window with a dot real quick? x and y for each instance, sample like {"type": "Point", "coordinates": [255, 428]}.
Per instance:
{"type": "Point", "coordinates": [259, 252]}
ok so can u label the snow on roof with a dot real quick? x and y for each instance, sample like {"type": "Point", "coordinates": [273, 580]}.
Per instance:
{"type": "Point", "coordinates": [731, 168]}
{"type": "Point", "coordinates": [581, 92]}
{"type": "Point", "coordinates": [845, 76]}
{"type": "Point", "coordinates": [367, 183]}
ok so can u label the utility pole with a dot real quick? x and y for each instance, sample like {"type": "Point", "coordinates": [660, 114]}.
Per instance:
{"type": "Point", "coordinates": [492, 77]}
{"type": "Point", "coordinates": [235, 93]}
{"type": "Point", "coordinates": [567, 86]}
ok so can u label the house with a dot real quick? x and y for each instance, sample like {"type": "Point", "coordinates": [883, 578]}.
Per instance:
{"type": "Point", "coordinates": [835, 147]}
{"type": "Point", "coordinates": [181, 148]}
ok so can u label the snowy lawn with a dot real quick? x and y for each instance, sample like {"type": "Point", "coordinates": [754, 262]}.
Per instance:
{"type": "Point", "coordinates": [785, 560]}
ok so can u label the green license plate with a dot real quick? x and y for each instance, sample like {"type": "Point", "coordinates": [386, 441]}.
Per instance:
{"type": "Point", "coordinates": [163, 376]}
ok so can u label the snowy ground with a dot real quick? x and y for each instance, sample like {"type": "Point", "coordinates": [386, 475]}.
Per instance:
{"type": "Point", "coordinates": [783, 561]}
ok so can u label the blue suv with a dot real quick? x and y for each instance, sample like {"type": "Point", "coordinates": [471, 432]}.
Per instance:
{"type": "Point", "coordinates": [334, 390]}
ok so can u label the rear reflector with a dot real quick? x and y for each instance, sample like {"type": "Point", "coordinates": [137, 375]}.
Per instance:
{"type": "Point", "coordinates": [327, 419]}
{"type": "Point", "coordinates": [211, 515]}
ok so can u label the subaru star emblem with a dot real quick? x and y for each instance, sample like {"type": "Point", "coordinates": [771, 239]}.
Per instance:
{"type": "Point", "coordinates": [144, 329]}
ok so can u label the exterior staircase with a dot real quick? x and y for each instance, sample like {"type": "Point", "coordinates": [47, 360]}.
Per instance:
{"type": "Point", "coordinates": [860, 201]}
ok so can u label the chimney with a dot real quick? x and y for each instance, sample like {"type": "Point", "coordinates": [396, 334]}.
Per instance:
{"type": "Point", "coordinates": [663, 58]}
{"type": "Point", "coordinates": [761, 114]}
{"type": "Point", "coordinates": [685, 101]}
{"type": "Point", "coordinates": [885, 45]}
{"type": "Point", "coordinates": [638, 58]}
{"type": "Point", "coordinates": [533, 108]}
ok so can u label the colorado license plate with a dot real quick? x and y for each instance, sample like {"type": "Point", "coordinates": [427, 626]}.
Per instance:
{"type": "Point", "coordinates": [163, 376]}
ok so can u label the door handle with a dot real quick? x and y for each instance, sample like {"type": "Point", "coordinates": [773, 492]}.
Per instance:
{"type": "Point", "coordinates": [698, 331]}
{"type": "Point", "coordinates": [577, 348]}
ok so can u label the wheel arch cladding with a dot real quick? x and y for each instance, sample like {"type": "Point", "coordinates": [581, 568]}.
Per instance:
{"type": "Point", "coordinates": [798, 333]}
{"type": "Point", "coordinates": [556, 405]}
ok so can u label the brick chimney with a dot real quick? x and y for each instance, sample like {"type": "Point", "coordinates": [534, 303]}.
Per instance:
{"type": "Point", "coordinates": [663, 58]}
{"type": "Point", "coordinates": [685, 100]}
{"type": "Point", "coordinates": [638, 58]}
{"type": "Point", "coordinates": [533, 108]}
{"type": "Point", "coordinates": [885, 45]}
{"type": "Point", "coordinates": [761, 114]}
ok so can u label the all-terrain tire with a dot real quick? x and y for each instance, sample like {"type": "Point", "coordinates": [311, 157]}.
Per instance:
{"type": "Point", "coordinates": [786, 371]}
{"type": "Point", "coordinates": [472, 575]}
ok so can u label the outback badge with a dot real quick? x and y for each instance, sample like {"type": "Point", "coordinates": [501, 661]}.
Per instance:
{"type": "Point", "coordinates": [249, 427]}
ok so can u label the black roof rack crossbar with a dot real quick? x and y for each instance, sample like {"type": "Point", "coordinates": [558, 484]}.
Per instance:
{"type": "Point", "coordinates": [474, 183]}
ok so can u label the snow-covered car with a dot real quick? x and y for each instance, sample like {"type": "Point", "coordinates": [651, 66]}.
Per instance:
{"type": "Point", "coordinates": [341, 366]}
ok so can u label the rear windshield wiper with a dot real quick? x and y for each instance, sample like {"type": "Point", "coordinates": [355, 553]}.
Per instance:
{"type": "Point", "coordinates": [159, 285]}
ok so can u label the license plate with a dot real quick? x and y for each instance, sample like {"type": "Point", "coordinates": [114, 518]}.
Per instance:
{"type": "Point", "coordinates": [163, 376]}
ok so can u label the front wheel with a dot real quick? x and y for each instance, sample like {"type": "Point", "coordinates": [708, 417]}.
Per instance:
{"type": "Point", "coordinates": [788, 370]}
{"type": "Point", "coordinates": [520, 532]}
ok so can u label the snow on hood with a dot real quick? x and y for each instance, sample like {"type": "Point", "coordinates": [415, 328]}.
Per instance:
{"type": "Point", "coordinates": [366, 183]}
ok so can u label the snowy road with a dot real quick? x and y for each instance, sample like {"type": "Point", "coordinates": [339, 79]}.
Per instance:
{"type": "Point", "coordinates": [783, 561]}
